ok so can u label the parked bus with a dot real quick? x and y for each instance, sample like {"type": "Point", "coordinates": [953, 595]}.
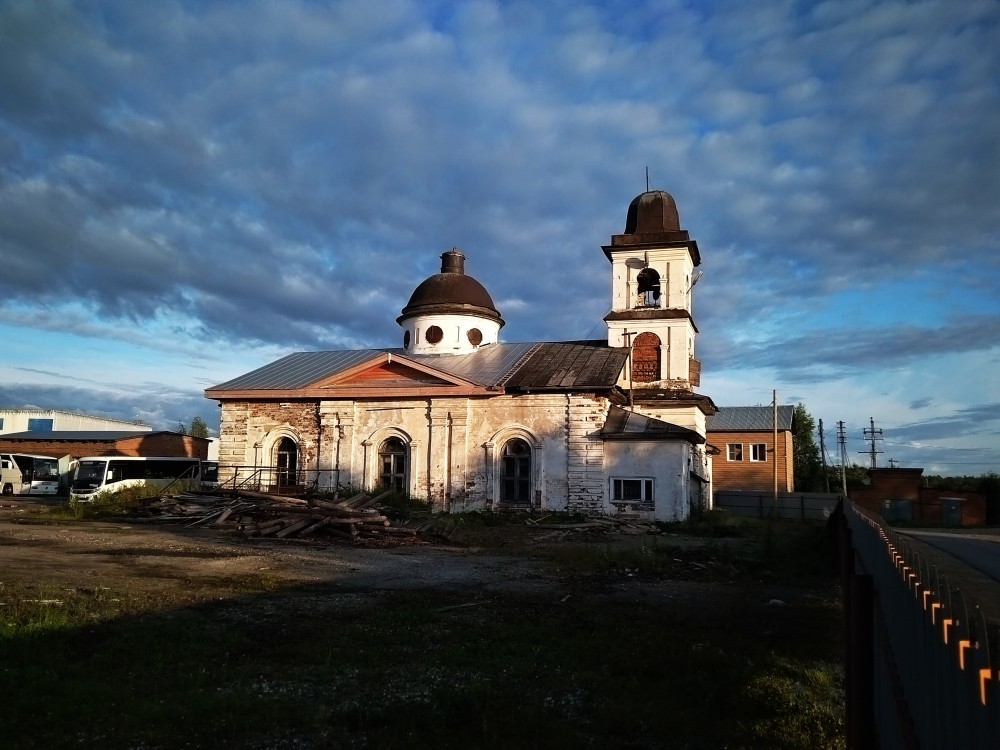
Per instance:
{"type": "Point", "coordinates": [96, 473]}
{"type": "Point", "coordinates": [28, 474]}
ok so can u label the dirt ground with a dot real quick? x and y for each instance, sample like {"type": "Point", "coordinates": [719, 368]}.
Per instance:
{"type": "Point", "coordinates": [151, 558]}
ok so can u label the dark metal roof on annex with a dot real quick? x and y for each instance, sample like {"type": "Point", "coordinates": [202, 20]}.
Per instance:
{"type": "Point", "coordinates": [516, 367]}
{"type": "Point", "coordinates": [749, 419]}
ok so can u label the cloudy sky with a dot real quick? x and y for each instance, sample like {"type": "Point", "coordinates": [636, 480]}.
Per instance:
{"type": "Point", "coordinates": [189, 190]}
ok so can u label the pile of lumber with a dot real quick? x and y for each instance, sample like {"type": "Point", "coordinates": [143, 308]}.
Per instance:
{"type": "Point", "coordinates": [256, 514]}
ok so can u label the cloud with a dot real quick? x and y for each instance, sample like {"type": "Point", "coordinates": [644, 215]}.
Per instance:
{"type": "Point", "coordinates": [281, 175]}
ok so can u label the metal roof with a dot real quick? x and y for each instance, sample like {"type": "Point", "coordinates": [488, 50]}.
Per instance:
{"type": "Point", "coordinates": [520, 366]}
{"type": "Point", "coordinates": [299, 370]}
{"type": "Point", "coordinates": [623, 424]}
{"type": "Point", "coordinates": [569, 365]}
{"type": "Point", "coordinates": [749, 419]}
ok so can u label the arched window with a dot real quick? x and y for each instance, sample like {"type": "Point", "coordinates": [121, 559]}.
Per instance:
{"type": "Point", "coordinates": [648, 288]}
{"type": "Point", "coordinates": [516, 479]}
{"type": "Point", "coordinates": [392, 464]}
{"type": "Point", "coordinates": [646, 358]}
{"type": "Point", "coordinates": [287, 460]}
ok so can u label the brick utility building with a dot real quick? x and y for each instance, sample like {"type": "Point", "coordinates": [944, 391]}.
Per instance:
{"type": "Point", "coordinates": [899, 495]}
{"type": "Point", "coordinates": [747, 451]}
{"type": "Point", "coordinates": [458, 417]}
{"type": "Point", "coordinates": [79, 443]}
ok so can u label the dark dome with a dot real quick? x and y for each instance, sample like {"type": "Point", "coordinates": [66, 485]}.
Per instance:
{"type": "Point", "coordinates": [652, 212]}
{"type": "Point", "coordinates": [451, 292]}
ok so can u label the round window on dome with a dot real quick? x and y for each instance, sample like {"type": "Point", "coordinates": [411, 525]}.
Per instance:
{"type": "Point", "coordinates": [406, 339]}
{"type": "Point", "coordinates": [475, 336]}
{"type": "Point", "coordinates": [434, 335]}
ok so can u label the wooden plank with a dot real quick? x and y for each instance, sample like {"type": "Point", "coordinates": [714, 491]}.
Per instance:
{"type": "Point", "coordinates": [297, 526]}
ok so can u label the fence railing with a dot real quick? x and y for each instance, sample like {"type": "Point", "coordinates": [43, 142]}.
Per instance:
{"type": "Point", "coordinates": [919, 670]}
{"type": "Point", "coordinates": [277, 479]}
{"type": "Point", "coordinates": [804, 506]}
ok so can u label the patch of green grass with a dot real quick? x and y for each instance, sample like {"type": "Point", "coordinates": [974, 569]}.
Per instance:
{"type": "Point", "coordinates": [421, 669]}
{"type": "Point", "coordinates": [247, 662]}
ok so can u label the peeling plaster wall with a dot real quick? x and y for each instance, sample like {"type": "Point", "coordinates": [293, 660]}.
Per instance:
{"type": "Point", "coordinates": [665, 462]}
{"type": "Point", "coordinates": [455, 444]}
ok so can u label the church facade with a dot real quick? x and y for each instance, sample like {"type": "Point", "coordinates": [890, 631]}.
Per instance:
{"type": "Point", "coordinates": [454, 415]}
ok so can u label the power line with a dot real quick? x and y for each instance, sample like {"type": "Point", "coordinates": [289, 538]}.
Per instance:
{"type": "Point", "coordinates": [872, 435]}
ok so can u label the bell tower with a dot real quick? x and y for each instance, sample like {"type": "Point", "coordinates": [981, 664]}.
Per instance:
{"type": "Point", "coordinates": [653, 274]}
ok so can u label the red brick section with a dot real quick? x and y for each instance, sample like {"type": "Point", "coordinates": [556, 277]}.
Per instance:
{"type": "Point", "coordinates": [151, 444]}
{"type": "Point", "coordinates": [646, 358]}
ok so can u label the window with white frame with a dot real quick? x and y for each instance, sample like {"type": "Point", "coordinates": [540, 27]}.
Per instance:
{"type": "Point", "coordinates": [758, 452]}
{"type": "Point", "coordinates": [734, 451]}
{"type": "Point", "coordinates": [632, 490]}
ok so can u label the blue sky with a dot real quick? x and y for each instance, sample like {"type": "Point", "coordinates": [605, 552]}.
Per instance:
{"type": "Point", "coordinates": [189, 190]}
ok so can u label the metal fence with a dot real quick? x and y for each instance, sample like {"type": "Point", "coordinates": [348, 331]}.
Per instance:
{"type": "Point", "coordinates": [277, 479]}
{"type": "Point", "coordinates": [804, 506]}
{"type": "Point", "coordinates": [919, 671]}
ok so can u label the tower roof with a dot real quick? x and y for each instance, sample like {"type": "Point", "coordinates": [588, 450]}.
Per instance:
{"type": "Point", "coordinates": [652, 212]}
{"type": "Point", "coordinates": [653, 221]}
{"type": "Point", "coordinates": [451, 292]}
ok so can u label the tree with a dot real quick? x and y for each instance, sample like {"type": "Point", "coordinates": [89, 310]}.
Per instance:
{"type": "Point", "coordinates": [198, 428]}
{"type": "Point", "coordinates": [808, 466]}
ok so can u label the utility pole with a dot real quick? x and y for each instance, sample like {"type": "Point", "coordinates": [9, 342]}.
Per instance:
{"type": "Point", "coordinates": [871, 435]}
{"type": "Point", "coordinates": [628, 342]}
{"type": "Point", "coordinates": [774, 422]}
{"type": "Point", "coordinates": [842, 440]}
{"type": "Point", "coordinates": [822, 457]}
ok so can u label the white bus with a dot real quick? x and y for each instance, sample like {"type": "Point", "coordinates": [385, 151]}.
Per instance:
{"type": "Point", "coordinates": [28, 474]}
{"type": "Point", "coordinates": [96, 473]}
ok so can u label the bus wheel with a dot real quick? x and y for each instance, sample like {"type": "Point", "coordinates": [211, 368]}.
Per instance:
{"type": "Point", "coordinates": [8, 489]}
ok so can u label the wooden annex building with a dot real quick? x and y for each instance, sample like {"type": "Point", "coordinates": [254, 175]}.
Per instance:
{"type": "Point", "coordinates": [753, 453]}
{"type": "Point", "coordinates": [459, 417]}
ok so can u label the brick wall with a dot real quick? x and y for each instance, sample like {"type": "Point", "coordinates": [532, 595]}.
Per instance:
{"type": "Point", "coordinates": [153, 444]}
{"type": "Point", "coordinates": [906, 484]}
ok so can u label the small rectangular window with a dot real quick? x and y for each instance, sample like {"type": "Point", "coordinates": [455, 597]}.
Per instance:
{"type": "Point", "coordinates": [638, 490]}
{"type": "Point", "coordinates": [758, 452]}
{"type": "Point", "coordinates": [734, 451]}
{"type": "Point", "coordinates": [40, 425]}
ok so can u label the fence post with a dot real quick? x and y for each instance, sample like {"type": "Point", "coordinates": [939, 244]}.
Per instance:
{"type": "Point", "coordinates": [861, 703]}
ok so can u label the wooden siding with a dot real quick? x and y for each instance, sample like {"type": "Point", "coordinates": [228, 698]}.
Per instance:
{"type": "Point", "coordinates": [752, 475]}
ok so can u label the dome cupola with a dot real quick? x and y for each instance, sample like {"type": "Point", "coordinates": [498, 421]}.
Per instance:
{"type": "Point", "coordinates": [652, 212]}
{"type": "Point", "coordinates": [449, 312]}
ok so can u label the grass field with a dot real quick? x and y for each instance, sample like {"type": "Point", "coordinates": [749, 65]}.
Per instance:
{"type": "Point", "coordinates": [640, 646]}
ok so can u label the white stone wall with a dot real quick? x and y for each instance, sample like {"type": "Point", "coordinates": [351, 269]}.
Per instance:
{"type": "Point", "coordinates": [455, 444]}
{"type": "Point", "coordinates": [665, 462]}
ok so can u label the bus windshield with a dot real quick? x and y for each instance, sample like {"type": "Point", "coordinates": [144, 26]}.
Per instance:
{"type": "Point", "coordinates": [89, 474]}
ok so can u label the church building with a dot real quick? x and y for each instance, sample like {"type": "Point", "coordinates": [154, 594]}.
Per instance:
{"type": "Point", "coordinates": [456, 416]}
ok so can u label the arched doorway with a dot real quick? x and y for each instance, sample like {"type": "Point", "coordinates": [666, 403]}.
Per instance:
{"type": "Point", "coordinates": [515, 486]}
{"type": "Point", "coordinates": [286, 461]}
{"type": "Point", "coordinates": [392, 464]}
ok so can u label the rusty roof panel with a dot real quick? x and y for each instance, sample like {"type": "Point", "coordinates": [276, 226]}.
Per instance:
{"type": "Point", "coordinates": [569, 365]}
